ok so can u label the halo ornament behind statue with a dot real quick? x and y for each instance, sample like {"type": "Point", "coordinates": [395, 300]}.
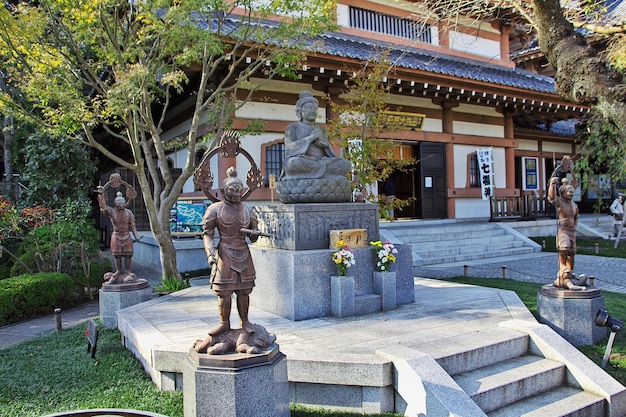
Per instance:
{"type": "Point", "coordinates": [229, 147]}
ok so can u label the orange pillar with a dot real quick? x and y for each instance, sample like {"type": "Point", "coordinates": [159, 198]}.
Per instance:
{"type": "Point", "coordinates": [447, 120]}
{"type": "Point", "coordinates": [509, 151]}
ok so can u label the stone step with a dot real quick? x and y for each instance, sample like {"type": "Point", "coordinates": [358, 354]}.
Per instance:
{"type": "Point", "coordinates": [479, 255]}
{"type": "Point", "coordinates": [469, 242]}
{"type": "Point", "coordinates": [482, 348]}
{"type": "Point", "coordinates": [563, 401]}
{"type": "Point", "coordinates": [477, 247]}
{"type": "Point", "coordinates": [437, 242]}
{"type": "Point", "coordinates": [465, 232]}
{"type": "Point", "coordinates": [495, 369]}
{"type": "Point", "coordinates": [503, 383]}
{"type": "Point", "coordinates": [367, 303]}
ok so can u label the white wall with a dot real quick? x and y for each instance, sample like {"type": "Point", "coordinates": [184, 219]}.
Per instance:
{"type": "Point", "coordinates": [478, 129]}
{"type": "Point", "coordinates": [472, 208]}
{"type": "Point", "coordinates": [461, 169]}
{"type": "Point", "coordinates": [472, 44]}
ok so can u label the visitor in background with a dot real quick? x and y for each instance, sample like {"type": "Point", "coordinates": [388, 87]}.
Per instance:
{"type": "Point", "coordinates": [617, 210]}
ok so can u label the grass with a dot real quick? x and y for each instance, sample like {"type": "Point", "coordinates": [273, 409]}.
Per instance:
{"type": "Point", "coordinates": [54, 373]}
{"type": "Point", "coordinates": [587, 246]}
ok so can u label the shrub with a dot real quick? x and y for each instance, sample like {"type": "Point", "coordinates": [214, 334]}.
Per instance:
{"type": "Point", "coordinates": [26, 296]}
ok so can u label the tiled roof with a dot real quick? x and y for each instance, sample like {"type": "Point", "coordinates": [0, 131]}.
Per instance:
{"type": "Point", "coordinates": [356, 47]}
{"type": "Point", "coordinates": [349, 46]}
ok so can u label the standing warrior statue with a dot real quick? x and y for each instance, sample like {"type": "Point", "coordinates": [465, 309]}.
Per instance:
{"type": "Point", "coordinates": [567, 210]}
{"type": "Point", "coordinates": [123, 221]}
{"type": "Point", "coordinates": [232, 267]}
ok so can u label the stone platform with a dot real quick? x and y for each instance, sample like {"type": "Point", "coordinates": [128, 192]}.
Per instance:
{"type": "Point", "coordinates": [330, 361]}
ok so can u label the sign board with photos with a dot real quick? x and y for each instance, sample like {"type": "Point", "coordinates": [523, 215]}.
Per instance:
{"type": "Point", "coordinates": [530, 179]}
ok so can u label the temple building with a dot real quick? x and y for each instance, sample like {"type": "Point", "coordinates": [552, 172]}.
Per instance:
{"type": "Point", "coordinates": [483, 130]}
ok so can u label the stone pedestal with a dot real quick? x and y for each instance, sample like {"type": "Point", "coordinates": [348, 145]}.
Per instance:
{"type": "Point", "coordinates": [385, 286]}
{"type": "Point", "coordinates": [572, 313]}
{"type": "Point", "coordinates": [114, 297]}
{"type": "Point", "coordinates": [237, 385]}
{"type": "Point", "coordinates": [296, 284]}
{"type": "Point", "coordinates": [308, 226]}
{"type": "Point", "coordinates": [342, 296]}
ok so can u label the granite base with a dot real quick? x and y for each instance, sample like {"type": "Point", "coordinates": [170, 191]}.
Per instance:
{"type": "Point", "coordinates": [115, 297]}
{"type": "Point", "coordinates": [297, 284]}
{"type": "Point", "coordinates": [238, 385]}
{"type": "Point", "coordinates": [308, 226]}
{"type": "Point", "coordinates": [571, 313]}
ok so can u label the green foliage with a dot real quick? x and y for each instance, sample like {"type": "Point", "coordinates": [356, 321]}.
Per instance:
{"type": "Point", "coordinates": [171, 284]}
{"type": "Point", "coordinates": [27, 296]}
{"type": "Point", "coordinates": [604, 150]}
{"type": "Point", "coordinates": [361, 127]}
{"type": "Point", "coordinates": [115, 66]}
{"type": "Point", "coordinates": [58, 169]}
{"type": "Point", "coordinates": [301, 411]}
{"type": "Point", "coordinates": [587, 246]}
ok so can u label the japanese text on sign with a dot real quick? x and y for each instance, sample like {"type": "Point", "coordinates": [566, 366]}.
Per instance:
{"type": "Point", "coordinates": [402, 120]}
{"type": "Point", "coordinates": [485, 166]}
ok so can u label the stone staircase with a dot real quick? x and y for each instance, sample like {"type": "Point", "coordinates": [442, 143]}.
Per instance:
{"type": "Point", "coordinates": [505, 379]}
{"type": "Point", "coordinates": [517, 369]}
{"type": "Point", "coordinates": [447, 241]}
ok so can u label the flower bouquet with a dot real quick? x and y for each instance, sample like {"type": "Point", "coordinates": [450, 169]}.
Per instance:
{"type": "Point", "coordinates": [344, 258]}
{"type": "Point", "coordinates": [385, 255]}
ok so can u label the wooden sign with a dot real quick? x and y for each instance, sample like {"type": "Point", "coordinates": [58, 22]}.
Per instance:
{"type": "Point", "coordinates": [355, 238]}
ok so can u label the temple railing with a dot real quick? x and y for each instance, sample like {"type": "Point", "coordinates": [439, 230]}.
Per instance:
{"type": "Point", "coordinates": [527, 207]}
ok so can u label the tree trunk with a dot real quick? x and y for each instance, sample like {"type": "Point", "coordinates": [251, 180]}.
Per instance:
{"type": "Point", "coordinates": [7, 135]}
{"type": "Point", "coordinates": [7, 130]}
{"type": "Point", "coordinates": [169, 268]}
{"type": "Point", "coordinates": [582, 76]}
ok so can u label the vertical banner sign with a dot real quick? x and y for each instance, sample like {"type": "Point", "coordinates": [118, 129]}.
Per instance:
{"type": "Point", "coordinates": [485, 165]}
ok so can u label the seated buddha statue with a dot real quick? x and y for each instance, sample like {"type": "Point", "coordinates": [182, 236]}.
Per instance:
{"type": "Point", "coordinates": [308, 153]}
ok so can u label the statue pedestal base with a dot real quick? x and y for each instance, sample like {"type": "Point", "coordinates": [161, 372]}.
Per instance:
{"type": "Point", "coordinates": [572, 313]}
{"type": "Point", "coordinates": [307, 226]}
{"type": "Point", "coordinates": [297, 284]}
{"type": "Point", "coordinates": [236, 384]}
{"type": "Point", "coordinates": [114, 297]}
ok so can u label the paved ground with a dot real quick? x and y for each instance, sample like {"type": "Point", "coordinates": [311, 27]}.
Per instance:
{"type": "Point", "coordinates": [610, 274]}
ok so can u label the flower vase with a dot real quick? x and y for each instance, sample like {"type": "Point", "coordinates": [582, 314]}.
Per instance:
{"type": "Point", "coordinates": [342, 296]}
{"type": "Point", "coordinates": [385, 286]}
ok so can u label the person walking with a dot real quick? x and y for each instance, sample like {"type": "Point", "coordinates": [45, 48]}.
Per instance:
{"type": "Point", "coordinates": [617, 210]}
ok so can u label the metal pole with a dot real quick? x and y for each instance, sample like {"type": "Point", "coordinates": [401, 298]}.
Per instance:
{"type": "Point", "coordinates": [57, 316]}
{"type": "Point", "coordinates": [607, 352]}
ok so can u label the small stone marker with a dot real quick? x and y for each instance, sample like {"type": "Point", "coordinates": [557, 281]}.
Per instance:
{"type": "Point", "coordinates": [355, 238]}
{"type": "Point", "coordinates": [92, 337]}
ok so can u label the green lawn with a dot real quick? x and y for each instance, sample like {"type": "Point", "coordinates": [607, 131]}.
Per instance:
{"type": "Point", "coordinates": [54, 373]}
{"type": "Point", "coordinates": [587, 246]}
